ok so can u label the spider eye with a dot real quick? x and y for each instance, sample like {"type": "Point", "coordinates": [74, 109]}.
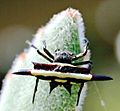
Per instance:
{"type": "Point", "coordinates": [57, 50]}
{"type": "Point", "coordinates": [64, 54]}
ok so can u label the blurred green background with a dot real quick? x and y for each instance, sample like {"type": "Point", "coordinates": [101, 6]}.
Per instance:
{"type": "Point", "coordinates": [20, 19]}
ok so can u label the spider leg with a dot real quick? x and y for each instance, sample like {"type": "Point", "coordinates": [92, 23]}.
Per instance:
{"type": "Point", "coordinates": [40, 53]}
{"type": "Point", "coordinates": [46, 50]}
{"type": "Point", "coordinates": [81, 54]}
{"type": "Point", "coordinates": [35, 90]}
{"type": "Point", "coordinates": [80, 90]}
{"type": "Point", "coordinates": [83, 63]}
{"type": "Point", "coordinates": [50, 60]}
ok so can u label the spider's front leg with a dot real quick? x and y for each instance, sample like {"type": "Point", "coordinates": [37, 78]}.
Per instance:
{"type": "Point", "coordinates": [38, 51]}
{"type": "Point", "coordinates": [46, 50]}
{"type": "Point", "coordinates": [82, 54]}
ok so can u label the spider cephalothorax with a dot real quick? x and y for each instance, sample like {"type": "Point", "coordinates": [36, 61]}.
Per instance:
{"type": "Point", "coordinates": [63, 56]}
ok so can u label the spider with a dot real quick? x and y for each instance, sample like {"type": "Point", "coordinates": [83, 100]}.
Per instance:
{"type": "Point", "coordinates": [62, 57]}
{"type": "Point", "coordinates": [62, 70]}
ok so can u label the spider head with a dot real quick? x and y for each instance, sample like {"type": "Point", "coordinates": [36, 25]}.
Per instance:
{"type": "Point", "coordinates": [63, 56]}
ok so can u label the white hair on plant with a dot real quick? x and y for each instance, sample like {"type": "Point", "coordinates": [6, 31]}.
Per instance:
{"type": "Point", "coordinates": [117, 47]}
